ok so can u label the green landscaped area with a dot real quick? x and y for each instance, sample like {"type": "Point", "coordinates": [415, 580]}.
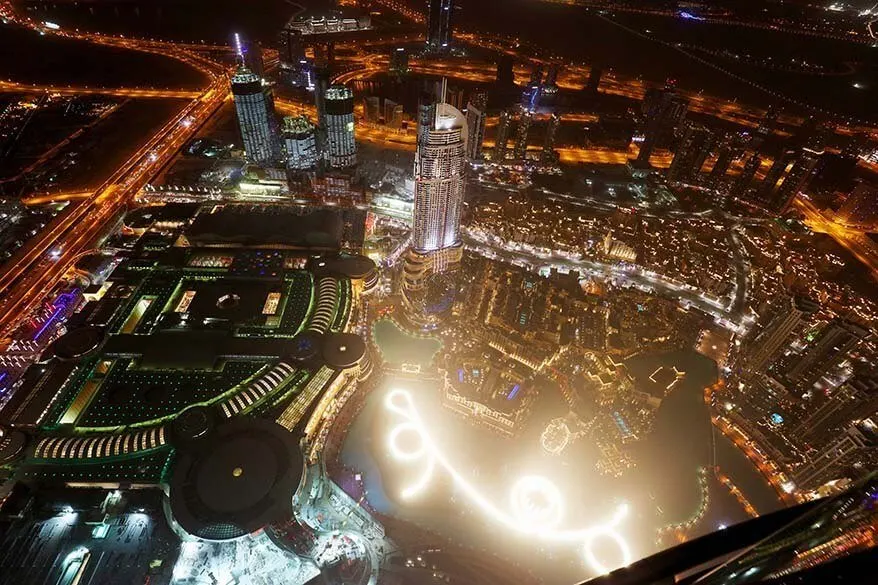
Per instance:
{"type": "Point", "coordinates": [399, 347]}
{"type": "Point", "coordinates": [298, 302]}
{"type": "Point", "coordinates": [131, 396]}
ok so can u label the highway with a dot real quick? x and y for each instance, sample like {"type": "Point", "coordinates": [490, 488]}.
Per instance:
{"type": "Point", "coordinates": [853, 241]}
{"type": "Point", "coordinates": [30, 275]}
{"type": "Point", "coordinates": [122, 92]}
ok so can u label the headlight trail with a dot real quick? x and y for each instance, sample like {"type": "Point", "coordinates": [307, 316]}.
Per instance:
{"type": "Point", "coordinates": [536, 506]}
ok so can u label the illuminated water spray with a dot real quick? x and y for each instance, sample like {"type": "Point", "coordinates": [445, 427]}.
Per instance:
{"type": "Point", "coordinates": [536, 505]}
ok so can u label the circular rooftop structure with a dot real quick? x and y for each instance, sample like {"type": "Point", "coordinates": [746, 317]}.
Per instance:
{"type": "Point", "coordinates": [306, 346]}
{"type": "Point", "coordinates": [12, 444]}
{"type": "Point", "coordinates": [343, 350]}
{"type": "Point", "coordinates": [78, 343]}
{"type": "Point", "coordinates": [193, 424]}
{"type": "Point", "coordinates": [237, 480]}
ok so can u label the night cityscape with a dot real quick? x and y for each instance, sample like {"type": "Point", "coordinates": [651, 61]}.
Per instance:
{"type": "Point", "coordinates": [416, 292]}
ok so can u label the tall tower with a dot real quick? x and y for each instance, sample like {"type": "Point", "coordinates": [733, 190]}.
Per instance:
{"type": "Point", "coordinates": [254, 107]}
{"type": "Point", "coordinates": [548, 153]}
{"type": "Point", "coordinates": [768, 343]}
{"type": "Point", "coordinates": [524, 121]}
{"type": "Point", "coordinates": [476, 115]}
{"type": "Point", "coordinates": [797, 179]}
{"type": "Point", "coordinates": [440, 163]}
{"type": "Point", "coordinates": [439, 24]}
{"type": "Point", "coordinates": [664, 111]}
{"type": "Point", "coordinates": [724, 157]}
{"type": "Point", "coordinates": [341, 147]}
{"type": "Point", "coordinates": [748, 173]}
{"type": "Point", "coordinates": [439, 182]}
{"type": "Point", "coordinates": [300, 144]}
{"type": "Point", "coordinates": [690, 155]}
{"type": "Point", "coordinates": [775, 172]}
{"type": "Point", "coordinates": [502, 136]}
{"type": "Point", "coordinates": [827, 351]}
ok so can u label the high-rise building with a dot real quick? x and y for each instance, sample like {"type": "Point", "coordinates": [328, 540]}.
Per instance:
{"type": "Point", "coordinates": [830, 348]}
{"type": "Point", "coordinates": [851, 455]}
{"type": "Point", "coordinates": [525, 118]}
{"type": "Point", "coordinates": [796, 180]}
{"type": "Point", "coordinates": [855, 399]}
{"type": "Point", "coordinates": [550, 87]}
{"type": "Point", "coordinates": [502, 140]}
{"type": "Point", "coordinates": [291, 46]}
{"type": "Point", "coordinates": [341, 146]}
{"type": "Point", "coordinates": [748, 173]}
{"type": "Point", "coordinates": [321, 84]}
{"type": "Point", "coordinates": [426, 115]}
{"type": "Point", "coordinates": [860, 209]}
{"type": "Point", "coordinates": [439, 31]}
{"type": "Point", "coordinates": [505, 72]}
{"type": "Point", "coordinates": [476, 117]}
{"type": "Point", "coordinates": [691, 153]}
{"type": "Point", "coordinates": [393, 114]}
{"type": "Point", "coordinates": [530, 96]}
{"type": "Point", "coordinates": [253, 59]}
{"type": "Point", "coordinates": [768, 343]}
{"type": "Point", "coordinates": [594, 78]}
{"type": "Point", "coordinates": [254, 107]}
{"type": "Point", "coordinates": [548, 154]}
{"type": "Point", "coordinates": [439, 182]}
{"type": "Point", "coordinates": [300, 144]}
{"type": "Point", "coordinates": [768, 123]}
{"type": "Point", "coordinates": [536, 74]}
{"type": "Point", "coordinates": [774, 174]}
{"type": "Point", "coordinates": [399, 61]}
{"type": "Point", "coordinates": [663, 110]}
{"type": "Point", "coordinates": [454, 97]}
{"type": "Point", "coordinates": [724, 156]}
{"type": "Point", "coordinates": [372, 109]}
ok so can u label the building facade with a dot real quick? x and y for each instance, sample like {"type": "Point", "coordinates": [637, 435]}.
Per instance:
{"type": "Point", "coordinates": [254, 107]}
{"type": "Point", "coordinates": [341, 146]}
{"type": "Point", "coordinates": [300, 144]}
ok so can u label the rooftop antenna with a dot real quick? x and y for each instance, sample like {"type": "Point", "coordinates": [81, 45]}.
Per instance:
{"type": "Point", "coordinates": [239, 48]}
{"type": "Point", "coordinates": [443, 89]}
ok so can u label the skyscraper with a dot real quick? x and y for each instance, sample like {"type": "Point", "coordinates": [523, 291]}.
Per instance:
{"type": "Point", "coordinates": [853, 453]}
{"type": "Point", "coordinates": [855, 399]}
{"type": "Point", "coordinates": [768, 343]}
{"type": "Point", "coordinates": [548, 154]}
{"type": "Point", "coordinates": [341, 147]}
{"type": "Point", "coordinates": [691, 153]}
{"type": "Point", "coordinates": [476, 116]}
{"type": "Point", "coordinates": [254, 107]}
{"type": "Point", "coordinates": [797, 179]}
{"type": "Point", "coordinates": [426, 114]}
{"type": "Point", "coordinates": [439, 182]}
{"type": "Point", "coordinates": [774, 174]}
{"type": "Point", "coordinates": [525, 117]}
{"type": "Point", "coordinates": [594, 78]}
{"type": "Point", "coordinates": [530, 96]}
{"type": "Point", "coordinates": [768, 123]}
{"type": "Point", "coordinates": [663, 112]}
{"type": "Point", "coordinates": [300, 144]}
{"type": "Point", "coordinates": [505, 73]}
{"type": "Point", "coordinates": [836, 339]}
{"type": "Point", "coordinates": [748, 173]}
{"type": "Point", "coordinates": [860, 209]}
{"type": "Point", "coordinates": [724, 157]}
{"type": "Point", "coordinates": [439, 32]}
{"type": "Point", "coordinates": [502, 139]}
{"type": "Point", "coordinates": [399, 61]}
